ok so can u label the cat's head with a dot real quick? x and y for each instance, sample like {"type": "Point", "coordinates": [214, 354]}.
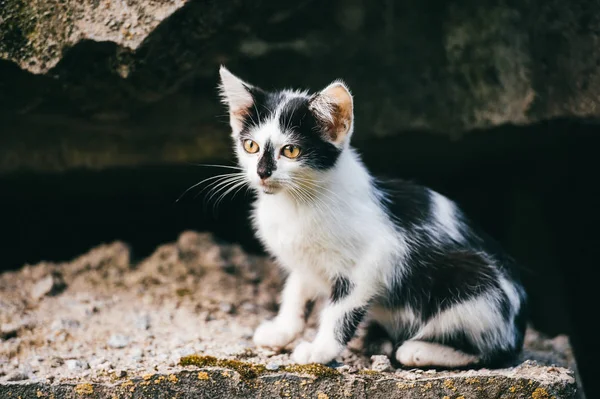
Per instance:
{"type": "Point", "coordinates": [285, 139]}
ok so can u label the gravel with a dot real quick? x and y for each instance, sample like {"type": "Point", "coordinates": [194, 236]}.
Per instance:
{"type": "Point", "coordinates": [272, 366]}
{"type": "Point", "coordinates": [118, 341]}
{"type": "Point", "coordinates": [381, 363]}
{"type": "Point", "coordinates": [51, 284]}
{"type": "Point", "coordinates": [77, 365]}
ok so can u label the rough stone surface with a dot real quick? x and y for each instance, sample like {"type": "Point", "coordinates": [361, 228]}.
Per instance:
{"type": "Point", "coordinates": [35, 34]}
{"type": "Point", "coordinates": [192, 346]}
{"type": "Point", "coordinates": [49, 285]}
{"type": "Point", "coordinates": [111, 83]}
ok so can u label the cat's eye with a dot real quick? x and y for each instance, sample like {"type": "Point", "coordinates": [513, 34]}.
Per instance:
{"type": "Point", "coordinates": [250, 146]}
{"type": "Point", "coordinates": [290, 151]}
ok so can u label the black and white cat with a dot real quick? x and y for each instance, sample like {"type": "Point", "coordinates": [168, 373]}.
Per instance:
{"type": "Point", "coordinates": [404, 258]}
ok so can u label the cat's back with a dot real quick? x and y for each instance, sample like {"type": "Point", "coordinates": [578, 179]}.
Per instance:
{"type": "Point", "coordinates": [421, 211]}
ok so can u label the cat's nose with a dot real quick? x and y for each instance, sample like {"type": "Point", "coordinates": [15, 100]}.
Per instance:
{"type": "Point", "coordinates": [264, 173]}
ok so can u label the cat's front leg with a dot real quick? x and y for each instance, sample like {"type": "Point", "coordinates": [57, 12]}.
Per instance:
{"type": "Point", "coordinates": [339, 320]}
{"type": "Point", "coordinates": [290, 319]}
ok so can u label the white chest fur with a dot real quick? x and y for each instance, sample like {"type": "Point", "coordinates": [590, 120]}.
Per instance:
{"type": "Point", "coordinates": [302, 237]}
{"type": "Point", "coordinates": [350, 237]}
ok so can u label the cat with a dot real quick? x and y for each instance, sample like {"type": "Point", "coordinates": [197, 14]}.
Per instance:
{"type": "Point", "coordinates": [432, 290]}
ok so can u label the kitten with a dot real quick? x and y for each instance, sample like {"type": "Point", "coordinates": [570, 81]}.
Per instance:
{"type": "Point", "coordinates": [433, 291]}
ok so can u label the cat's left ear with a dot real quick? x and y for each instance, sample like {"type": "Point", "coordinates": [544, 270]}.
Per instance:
{"type": "Point", "coordinates": [334, 108]}
{"type": "Point", "coordinates": [235, 94]}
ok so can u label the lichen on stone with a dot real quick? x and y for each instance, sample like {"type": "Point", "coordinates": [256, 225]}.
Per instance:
{"type": "Point", "coordinates": [315, 369]}
{"type": "Point", "coordinates": [84, 389]}
{"type": "Point", "coordinates": [251, 370]}
{"type": "Point", "coordinates": [244, 369]}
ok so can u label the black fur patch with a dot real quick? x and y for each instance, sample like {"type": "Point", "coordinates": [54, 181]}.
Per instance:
{"type": "Point", "coordinates": [407, 203]}
{"type": "Point", "coordinates": [346, 327]}
{"type": "Point", "coordinates": [436, 275]}
{"type": "Point", "coordinates": [375, 337]}
{"type": "Point", "coordinates": [308, 308]}
{"type": "Point", "coordinates": [436, 278]}
{"type": "Point", "coordinates": [266, 163]}
{"type": "Point", "coordinates": [341, 288]}
{"type": "Point", "coordinates": [299, 122]}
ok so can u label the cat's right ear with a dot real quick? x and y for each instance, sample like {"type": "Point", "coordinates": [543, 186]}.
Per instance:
{"type": "Point", "coordinates": [235, 94]}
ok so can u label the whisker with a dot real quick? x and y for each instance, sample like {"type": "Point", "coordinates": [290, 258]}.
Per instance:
{"type": "Point", "coordinates": [203, 181]}
{"type": "Point", "coordinates": [221, 186]}
{"type": "Point", "coordinates": [238, 185]}
{"type": "Point", "coordinates": [215, 184]}
{"type": "Point", "coordinates": [217, 166]}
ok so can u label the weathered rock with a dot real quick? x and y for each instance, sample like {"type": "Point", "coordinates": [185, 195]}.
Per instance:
{"type": "Point", "coordinates": [381, 363]}
{"type": "Point", "coordinates": [114, 83]}
{"type": "Point", "coordinates": [52, 284]}
{"type": "Point", "coordinates": [183, 354]}
{"type": "Point", "coordinates": [118, 341]}
{"type": "Point", "coordinates": [77, 365]}
{"type": "Point", "coordinates": [36, 34]}
{"type": "Point", "coordinates": [223, 382]}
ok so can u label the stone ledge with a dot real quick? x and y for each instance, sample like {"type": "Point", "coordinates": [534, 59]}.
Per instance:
{"type": "Point", "coordinates": [526, 381]}
{"type": "Point", "coordinates": [179, 323]}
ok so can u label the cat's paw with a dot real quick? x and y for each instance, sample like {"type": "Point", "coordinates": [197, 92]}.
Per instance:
{"type": "Point", "coordinates": [309, 352]}
{"type": "Point", "coordinates": [274, 334]}
{"type": "Point", "coordinates": [425, 354]}
{"type": "Point", "coordinates": [409, 354]}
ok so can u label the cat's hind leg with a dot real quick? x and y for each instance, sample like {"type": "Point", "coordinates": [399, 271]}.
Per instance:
{"type": "Point", "coordinates": [414, 353]}
{"type": "Point", "coordinates": [377, 341]}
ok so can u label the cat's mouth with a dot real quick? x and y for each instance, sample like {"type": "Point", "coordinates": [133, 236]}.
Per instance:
{"type": "Point", "coordinates": [269, 187]}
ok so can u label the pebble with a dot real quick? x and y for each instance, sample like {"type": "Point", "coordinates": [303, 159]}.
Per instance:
{"type": "Point", "coordinates": [249, 307]}
{"type": "Point", "coordinates": [77, 365]}
{"type": "Point", "coordinates": [52, 284]}
{"type": "Point", "coordinates": [381, 363]}
{"type": "Point", "coordinates": [226, 307]}
{"type": "Point", "coordinates": [120, 374]}
{"type": "Point", "coordinates": [118, 341]}
{"type": "Point", "coordinates": [272, 366]}
{"type": "Point", "coordinates": [137, 354]}
{"type": "Point", "coordinates": [56, 361]}
{"type": "Point", "coordinates": [143, 322]}
{"type": "Point", "coordinates": [343, 368]}
{"type": "Point", "coordinates": [106, 365]}
{"type": "Point", "coordinates": [64, 324]}
{"type": "Point", "coordinates": [17, 376]}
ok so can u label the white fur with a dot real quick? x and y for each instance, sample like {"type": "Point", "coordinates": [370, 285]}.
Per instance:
{"type": "Point", "coordinates": [424, 354]}
{"type": "Point", "coordinates": [446, 222]}
{"type": "Point", "coordinates": [474, 317]}
{"type": "Point", "coordinates": [235, 95]}
{"type": "Point", "coordinates": [290, 321]}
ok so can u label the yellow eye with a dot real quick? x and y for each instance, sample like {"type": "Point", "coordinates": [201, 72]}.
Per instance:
{"type": "Point", "coordinates": [290, 151]}
{"type": "Point", "coordinates": [250, 146]}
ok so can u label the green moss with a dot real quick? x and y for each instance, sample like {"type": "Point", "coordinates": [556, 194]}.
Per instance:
{"type": "Point", "coordinates": [369, 372]}
{"type": "Point", "coordinates": [251, 370]}
{"type": "Point", "coordinates": [181, 292]}
{"type": "Point", "coordinates": [244, 369]}
{"type": "Point", "coordinates": [318, 370]}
